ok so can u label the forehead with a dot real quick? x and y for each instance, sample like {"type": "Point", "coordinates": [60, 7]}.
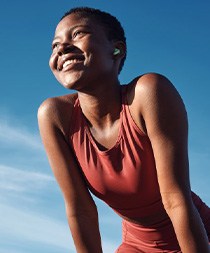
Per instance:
{"type": "Point", "coordinates": [75, 20]}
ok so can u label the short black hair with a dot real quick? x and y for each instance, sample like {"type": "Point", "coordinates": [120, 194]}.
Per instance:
{"type": "Point", "coordinates": [112, 26]}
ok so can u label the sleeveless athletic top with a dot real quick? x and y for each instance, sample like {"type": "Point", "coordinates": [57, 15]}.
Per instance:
{"type": "Point", "coordinates": [123, 176]}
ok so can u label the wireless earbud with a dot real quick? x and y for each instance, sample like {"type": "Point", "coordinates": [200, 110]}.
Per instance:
{"type": "Point", "coordinates": [116, 51]}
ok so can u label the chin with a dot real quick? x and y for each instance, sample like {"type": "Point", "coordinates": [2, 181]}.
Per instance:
{"type": "Point", "coordinates": [72, 84]}
{"type": "Point", "coordinates": [69, 85]}
{"type": "Point", "coordinates": [71, 81]}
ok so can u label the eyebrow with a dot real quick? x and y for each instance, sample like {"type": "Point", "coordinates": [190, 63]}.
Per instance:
{"type": "Point", "coordinates": [73, 28]}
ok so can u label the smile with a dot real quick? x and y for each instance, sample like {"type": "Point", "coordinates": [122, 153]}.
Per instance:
{"type": "Point", "coordinates": [69, 62]}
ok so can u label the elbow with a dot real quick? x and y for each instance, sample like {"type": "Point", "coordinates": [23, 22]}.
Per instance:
{"type": "Point", "coordinates": [82, 213]}
{"type": "Point", "coordinates": [176, 201]}
{"type": "Point", "coordinates": [170, 206]}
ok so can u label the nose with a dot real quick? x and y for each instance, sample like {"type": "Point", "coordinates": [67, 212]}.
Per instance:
{"type": "Point", "coordinates": [64, 49]}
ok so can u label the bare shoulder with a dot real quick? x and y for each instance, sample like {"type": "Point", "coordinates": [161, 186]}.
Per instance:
{"type": "Point", "coordinates": [153, 95]}
{"type": "Point", "coordinates": [152, 83]}
{"type": "Point", "coordinates": [57, 111]}
{"type": "Point", "coordinates": [152, 88]}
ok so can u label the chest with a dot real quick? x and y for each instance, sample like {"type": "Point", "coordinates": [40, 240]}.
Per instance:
{"type": "Point", "coordinates": [105, 139]}
{"type": "Point", "coordinates": [122, 173]}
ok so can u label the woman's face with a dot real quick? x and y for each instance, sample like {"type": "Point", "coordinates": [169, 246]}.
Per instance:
{"type": "Point", "coordinates": [81, 53]}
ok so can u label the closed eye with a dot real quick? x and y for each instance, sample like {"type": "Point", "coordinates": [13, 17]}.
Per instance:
{"type": "Point", "coordinates": [55, 45]}
{"type": "Point", "coordinates": [79, 33]}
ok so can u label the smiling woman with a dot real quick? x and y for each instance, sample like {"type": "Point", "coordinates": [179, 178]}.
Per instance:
{"type": "Point", "coordinates": [125, 143]}
{"type": "Point", "coordinates": [62, 49]}
{"type": "Point", "coordinates": [81, 44]}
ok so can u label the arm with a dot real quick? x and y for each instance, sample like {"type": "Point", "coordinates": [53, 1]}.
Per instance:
{"type": "Point", "coordinates": [166, 124]}
{"type": "Point", "coordinates": [80, 208]}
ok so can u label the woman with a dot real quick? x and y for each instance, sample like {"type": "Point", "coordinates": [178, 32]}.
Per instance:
{"type": "Point", "coordinates": [126, 143]}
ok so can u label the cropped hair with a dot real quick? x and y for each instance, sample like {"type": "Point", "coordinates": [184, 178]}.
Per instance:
{"type": "Point", "coordinates": [111, 25]}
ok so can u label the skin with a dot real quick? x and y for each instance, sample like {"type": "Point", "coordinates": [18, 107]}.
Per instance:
{"type": "Point", "coordinates": [155, 106]}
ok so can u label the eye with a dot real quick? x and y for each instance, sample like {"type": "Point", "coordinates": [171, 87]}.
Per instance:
{"type": "Point", "coordinates": [78, 33]}
{"type": "Point", "coordinates": [55, 45]}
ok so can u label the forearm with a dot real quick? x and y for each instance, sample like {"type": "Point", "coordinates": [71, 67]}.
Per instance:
{"type": "Point", "coordinates": [189, 230]}
{"type": "Point", "coordinates": [85, 232]}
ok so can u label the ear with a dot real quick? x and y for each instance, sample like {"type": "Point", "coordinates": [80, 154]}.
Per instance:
{"type": "Point", "coordinates": [119, 50]}
{"type": "Point", "coordinates": [116, 51]}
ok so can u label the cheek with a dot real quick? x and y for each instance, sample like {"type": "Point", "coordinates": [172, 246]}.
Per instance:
{"type": "Point", "coordinates": [53, 62]}
{"type": "Point", "coordinates": [53, 67]}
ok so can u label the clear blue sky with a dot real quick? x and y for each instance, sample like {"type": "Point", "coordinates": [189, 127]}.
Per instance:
{"type": "Point", "coordinates": [169, 37]}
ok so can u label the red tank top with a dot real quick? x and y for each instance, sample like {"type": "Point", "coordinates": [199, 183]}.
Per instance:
{"type": "Point", "coordinates": [123, 176]}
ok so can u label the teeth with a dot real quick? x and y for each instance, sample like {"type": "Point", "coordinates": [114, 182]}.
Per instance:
{"type": "Point", "coordinates": [68, 62]}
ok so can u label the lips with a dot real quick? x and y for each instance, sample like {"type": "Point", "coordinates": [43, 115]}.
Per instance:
{"type": "Point", "coordinates": [67, 61]}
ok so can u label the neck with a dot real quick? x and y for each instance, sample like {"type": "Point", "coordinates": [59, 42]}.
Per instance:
{"type": "Point", "coordinates": [102, 105]}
